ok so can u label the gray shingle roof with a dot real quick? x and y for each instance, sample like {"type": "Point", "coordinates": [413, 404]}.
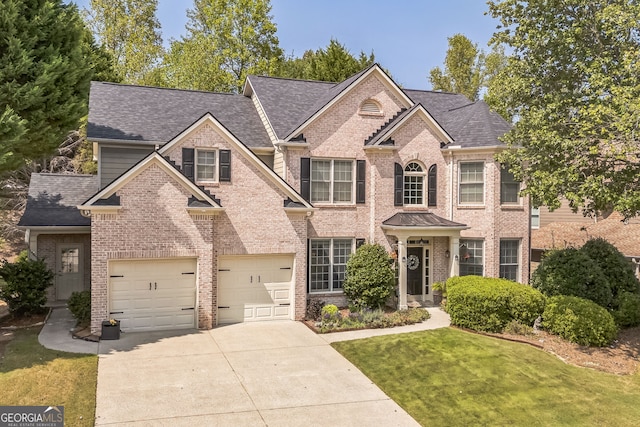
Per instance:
{"type": "Point", "coordinates": [53, 198]}
{"type": "Point", "coordinates": [150, 114]}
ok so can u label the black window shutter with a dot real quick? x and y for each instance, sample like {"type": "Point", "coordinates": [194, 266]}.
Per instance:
{"type": "Point", "coordinates": [360, 242]}
{"type": "Point", "coordinates": [225, 165]}
{"type": "Point", "coordinates": [187, 162]}
{"type": "Point", "coordinates": [361, 173]}
{"type": "Point", "coordinates": [432, 185]}
{"type": "Point", "coordinates": [398, 181]}
{"type": "Point", "coordinates": [305, 178]}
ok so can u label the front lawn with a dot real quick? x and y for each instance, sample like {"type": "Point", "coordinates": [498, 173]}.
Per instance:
{"type": "Point", "coordinates": [33, 375]}
{"type": "Point", "coordinates": [455, 378]}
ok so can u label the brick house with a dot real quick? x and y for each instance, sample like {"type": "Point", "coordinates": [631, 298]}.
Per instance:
{"type": "Point", "coordinates": [214, 208]}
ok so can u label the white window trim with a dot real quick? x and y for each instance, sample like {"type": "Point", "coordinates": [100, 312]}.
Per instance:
{"type": "Point", "coordinates": [517, 264]}
{"type": "Point", "coordinates": [517, 202]}
{"type": "Point", "coordinates": [484, 257]}
{"type": "Point", "coordinates": [332, 182]}
{"type": "Point", "coordinates": [422, 174]}
{"type": "Point", "coordinates": [215, 167]}
{"type": "Point", "coordinates": [331, 289]}
{"type": "Point", "coordinates": [460, 183]}
{"type": "Point", "coordinates": [535, 212]}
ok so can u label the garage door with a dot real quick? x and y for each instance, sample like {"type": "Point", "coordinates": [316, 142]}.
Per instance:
{"type": "Point", "coordinates": [153, 294]}
{"type": "Point", "coordinates": [252, 288]}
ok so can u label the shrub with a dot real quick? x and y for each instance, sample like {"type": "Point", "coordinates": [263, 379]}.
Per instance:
{"type": "Point", "coordinates": [79, 304]}
{"type": "Point", "coordinates": [486, 304]}
{"type": "Point", "coordinates": [628, 313]}
{"type": "Point", "coordinates": [516, 328]}
{"type": "Point", "coordinates": [615, 267]}
{"type": "Point", "coordinates": [26, 282]}
{"type": "Point", "coordinates": [572, 272]}
{"type": "Point", "coordinates": [579, 320]}
{"type": "Point", "coordinates": [408, 316]}
{"type": "Point", "coordinates": [314, 309]}
{"type": "Point", "coordinates": [369, 279]}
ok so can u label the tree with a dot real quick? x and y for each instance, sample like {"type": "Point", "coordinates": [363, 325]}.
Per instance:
{"type": "Point", "coordinates": [226, 40]}
{"type": "Point", "coordinates": [130, 32]}
{"type": "Point", "coordinates": [573, 84]}
{"type": "Point", "coordinates": [333, 64]}
{"type": "Point", "coordinates": [463, 66]}
{"type": "Point", "coordinates": [44, 78]}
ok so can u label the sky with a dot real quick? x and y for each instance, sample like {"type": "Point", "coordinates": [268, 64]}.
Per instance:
{"type": "Point", "coordinates": [408, 37]}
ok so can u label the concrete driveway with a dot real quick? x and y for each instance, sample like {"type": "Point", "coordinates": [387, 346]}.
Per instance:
{"type": "Point", "coordinates": [253, 374]}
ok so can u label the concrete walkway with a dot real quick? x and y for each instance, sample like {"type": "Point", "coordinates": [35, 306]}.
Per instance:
{"type": "Point", "coordinates": [56, 333]}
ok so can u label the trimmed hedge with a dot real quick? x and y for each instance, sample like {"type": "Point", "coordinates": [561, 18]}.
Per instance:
{"type": "Point", "coordinates": [369, 279]}
{"type": "Point", "coordinates": [579, 320]}
{"type": "Point", "coordinates": [488, 304]}
{"type": "Point", "coordinates": [79, 305]}
{"type": "Point", "coordinates": [628, 313]}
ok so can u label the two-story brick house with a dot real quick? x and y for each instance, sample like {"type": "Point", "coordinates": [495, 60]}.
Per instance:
{"type": "Point", "coordinates": [214, 208]}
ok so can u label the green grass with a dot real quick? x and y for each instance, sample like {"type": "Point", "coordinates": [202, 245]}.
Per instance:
{"type": "Point", "coordinates": [455, 378]}
{"type": "Point", "coordinates": [33, 375]}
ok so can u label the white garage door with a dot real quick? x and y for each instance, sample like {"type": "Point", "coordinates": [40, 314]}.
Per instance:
{"type": "Point", "coordinates": [254, 288]}
{"type": "Point", "coordinates": [153, 294]}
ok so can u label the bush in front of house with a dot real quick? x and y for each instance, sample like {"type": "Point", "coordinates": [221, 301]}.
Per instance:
{"type": "Point", "coordinates": [79, 304]}
{"type": "Point", "coordinates": [615, 267]}
{"type": "Point", "coordinates": [25, 287]}
{"type": "Point", "coordinates": [370, 278]}
{"type": "Point", "coordinates": [627, 314]}
{"type": "Point", "coordinates": [572, 272]}
{"type": "Point", "coordinates": [579, 320]}
{"type": "Point", "coordinates": [488, 304]}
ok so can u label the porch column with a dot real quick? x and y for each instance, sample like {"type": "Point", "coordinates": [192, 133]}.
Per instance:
{"type": "Point", "coordinates": [455, 256]}
{"type": "Point", "coordinates": [402, 273]}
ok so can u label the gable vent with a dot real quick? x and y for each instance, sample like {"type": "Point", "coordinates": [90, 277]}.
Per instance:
{"type": "Point", "coordinates": [370, 107]}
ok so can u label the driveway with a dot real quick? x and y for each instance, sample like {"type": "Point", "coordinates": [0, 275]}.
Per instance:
{"type": "Point", "coordinates": [252, 374]}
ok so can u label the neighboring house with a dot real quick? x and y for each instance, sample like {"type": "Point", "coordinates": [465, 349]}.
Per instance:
{"type": "Point", "coordinates": [214, 208]}
{"type": "Point", "coordinates": [563, 228]}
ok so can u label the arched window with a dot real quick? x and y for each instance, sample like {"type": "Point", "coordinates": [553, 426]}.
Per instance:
{"type": "Point", "coordinates": [370, 107]}
{"type": "Point", "coordinates": [414, 184]}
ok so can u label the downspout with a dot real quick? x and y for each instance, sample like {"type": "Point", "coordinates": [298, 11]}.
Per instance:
{"type": "Point", "coordinates": [451, 186]}
{"type": "Point", "coordinates": [372, 205]}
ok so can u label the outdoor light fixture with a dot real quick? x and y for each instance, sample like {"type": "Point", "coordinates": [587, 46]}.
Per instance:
{"type": "Point", "coordinates": [447, 254]}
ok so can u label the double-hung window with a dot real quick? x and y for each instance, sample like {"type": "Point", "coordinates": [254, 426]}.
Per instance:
{"type": "Point", "coordinates": [509, 187]}
{"type": "Point", "coordinates": [471, 183]}
{"type": "Point", "coordinates": [509, 259]}
{"type": "Point", "coordinates": [471, 258]}
{"type": "Point", "coordinates": [413, 184]}
{"type": "Point", "coordinates": [206, 165]}
{"type": "Point", "coordinates": [328, 263]}
{"type": "Point", "coordinates": [332, 181]}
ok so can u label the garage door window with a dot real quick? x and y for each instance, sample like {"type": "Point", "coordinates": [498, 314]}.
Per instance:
{"type": "Point", "coordinates": [327, 264]}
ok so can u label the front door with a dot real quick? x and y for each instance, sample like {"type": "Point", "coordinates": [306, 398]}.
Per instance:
{"type": "Point", "coordinates": [69, 277]}
{"type": "Point", "coordinates": [414, 271]}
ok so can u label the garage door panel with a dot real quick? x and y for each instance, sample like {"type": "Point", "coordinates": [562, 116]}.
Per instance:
{"type": "Point", "coordinates": [151, 294]}
{"type": "Point", "coordinates": [254, 288]}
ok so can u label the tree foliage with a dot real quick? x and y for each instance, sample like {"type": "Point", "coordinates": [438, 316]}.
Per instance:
{"type": "Point", "coordinates": [129, 31]}
{"type": "Point", "coordinates": [226, 40]}
{"type": "Point", "coordinates": [573, 84]}
{"type": "Point", "coordinates": [332, 64]}
{"type": "Point", "coordinates": [369, 279]}
{"type": "Point", "coordinates": [26, 282]}
{"type": "Point", "coordinates": [462, 68]}
{"type": "Point", "coordinates": [44, 78]}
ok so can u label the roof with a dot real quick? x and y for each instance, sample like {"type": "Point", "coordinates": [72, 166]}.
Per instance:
{"type": "Point", "coordinates": [156, 115]}
{"type": "Point", "coordinates": [559, 235]}
{"type": "Point", "coordinates": [420, 220]}
{"type": "Point", "coordinates": [53, 198]}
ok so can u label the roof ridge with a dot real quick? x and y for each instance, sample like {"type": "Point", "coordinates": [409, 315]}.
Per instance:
{"type": "Point", "coordinates": [166, 88]}
{"type": "Point", "coordinates": [293, 79]}
{"type": "Point", "coordinates": [463, 106]}
{"type": "Point", "coordinates": [79, 175]}
{"type": "Point", "coordinates": [440, 92]}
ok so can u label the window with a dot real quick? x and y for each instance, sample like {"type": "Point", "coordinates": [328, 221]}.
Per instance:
{"type": "Point", "coordinates": [328, 263]}
{"type": "Point", "coordinates": [70, 260]}
{"type": "Point", "coordinates": [206, 165]}
{"type": "Point", "coordinates": [471, 258]}
{"type": "Point", "coordinates": [413, 184]}
{"type": "Point", "coordinates": [535, 217]}
{"type": "Point", "coordinates": [509, 259]}
{"type": "Point", "coordinates": [332, 181]}
{"type": "Point", "coordinates": [472, 183]}
{"type": "Point", "coordinates": [509, 187]}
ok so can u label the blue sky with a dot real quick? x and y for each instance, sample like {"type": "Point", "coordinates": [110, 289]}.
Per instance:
{"type": "Point", "coordinates": [408, 37]}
